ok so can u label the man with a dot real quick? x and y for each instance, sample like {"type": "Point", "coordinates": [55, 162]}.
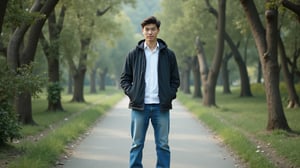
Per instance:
{"type": "Point", "coordinates": [150, 79]}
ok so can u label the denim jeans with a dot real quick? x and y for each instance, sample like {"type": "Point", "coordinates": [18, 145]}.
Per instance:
{"type": "Point", "coordinates": [160, 121]}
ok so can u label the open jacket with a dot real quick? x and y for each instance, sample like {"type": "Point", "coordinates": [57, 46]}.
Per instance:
{"type": "Point", "coordinates": [132, 79]}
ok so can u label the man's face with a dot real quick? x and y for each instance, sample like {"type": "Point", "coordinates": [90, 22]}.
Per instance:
{"type": "Point", "coordinates": [150, 32]}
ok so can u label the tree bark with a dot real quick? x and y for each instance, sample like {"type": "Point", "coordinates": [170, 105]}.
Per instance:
{"type": "Point", "coordinates": [186, 75]}
{"type": "Point", "coordinates": [196, 74]}
{"type": "Point", "coordinates": [203, 65]}
{"type": "Point", "coordinates": [79, 73]}
{"type": "Point", "coordinates": [259, 72]}
{"type": "Point", "coordinates": [102, 75]}
{"type": "Point", "coordinates": [225, 74]}
{"type": "Point", "coordinates": [210, 99]}
{"type": "Point", "coordinates": [23, 104]}
{"type": "Point", "coordinates": [93, 81]}
{"type": "Point", "coordinates": [3, 5]}
{"type": "Point", "coordinates": [70, 81]}
{"type": "Point", "coordinates": [276, 117]}
{"type": "Point", "coordinates": [267, 48]}
{"type": "Point", "coordinates": [293, 101]}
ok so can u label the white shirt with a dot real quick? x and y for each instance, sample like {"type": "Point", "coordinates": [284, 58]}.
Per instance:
{"type": "Point", "coordinates": [151, 75]}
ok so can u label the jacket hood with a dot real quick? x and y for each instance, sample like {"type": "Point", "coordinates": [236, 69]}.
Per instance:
{"type": "Point", "coordinates": [162, 44]}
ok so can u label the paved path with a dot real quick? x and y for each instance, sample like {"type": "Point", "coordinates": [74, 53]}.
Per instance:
{"type": "Point", "coordinates": [107, 146]}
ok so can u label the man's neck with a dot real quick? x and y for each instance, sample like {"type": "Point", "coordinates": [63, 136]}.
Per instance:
{"type": "Point", "coordinates": [152, 44]}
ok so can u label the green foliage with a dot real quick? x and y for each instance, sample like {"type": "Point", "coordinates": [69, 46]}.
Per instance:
{"type": "Point", "coordinates": [17, 13]}
{"type": "Point", "coordinates": [12, 83]}
{"type": "Point", "coordinates": [9, 127]}
{"type": "Point", "coordinates": [53, 90]}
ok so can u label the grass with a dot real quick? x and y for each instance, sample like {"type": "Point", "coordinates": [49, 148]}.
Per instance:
{"type": "Point", "coordinates": [241, 123]}
{"type": "Point", "coordinates": [77, 118]}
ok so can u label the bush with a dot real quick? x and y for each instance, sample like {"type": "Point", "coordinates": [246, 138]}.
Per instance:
{"type": "Point", "coordinates": [12, 83]}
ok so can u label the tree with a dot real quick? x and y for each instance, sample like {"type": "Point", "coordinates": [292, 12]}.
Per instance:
{"type": "Point", "coordinates": [51, 51]}
{"type": "Point", "coordinates": [209, 83]}
{"type": "Point", "coordinates": [266, 42]}
{"type": "Point", "coordinates": [245, 83]}
{"type": "Point", "coordinates": [19, 55]}
{"type": "Point", "coordinates": [89, 22]}
{"type": "Point", "coordinates": [3, 5]}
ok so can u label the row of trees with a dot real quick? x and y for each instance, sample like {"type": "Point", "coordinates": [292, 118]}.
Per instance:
{"type": "Point", "coordinates": [205, 35]}
{"type": "Point", "coordinates": [72, 38]}
{"type": "Point", "coordinates": [55, 34]}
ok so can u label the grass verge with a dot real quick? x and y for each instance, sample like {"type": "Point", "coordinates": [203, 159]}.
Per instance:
{"type": "Point", "coordinates": [241, 123]}
{"type": "Point", "coordinates": [44, 152]}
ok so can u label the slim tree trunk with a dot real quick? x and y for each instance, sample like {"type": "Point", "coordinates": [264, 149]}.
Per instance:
{"type": "Point", "coordinates": [203, 65]}
{"type": "Point", "coordinates": [70, 81]}
{"type": "Point", "coordinates": [210, 99]}
{"type": "Point", "coordinates": [93, 81]}
{"type": "Point", "coordinates": [79, 73]}
{"type": "Point", "coordinates": [78, 94]}
{"type": "Point", "coordinates": [225, 74]}
{"type": "Point", "coordinates": [3, 4]}
{"type": "Point", "coordinates": [102, 78]}
{"type": "Point", "coordinates": [293, 101]}
{"type": "Point", "coordinates": [196, 74]}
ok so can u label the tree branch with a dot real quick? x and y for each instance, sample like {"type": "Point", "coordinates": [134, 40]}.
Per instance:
{"type": "Point", "coordinates": [292, 6]}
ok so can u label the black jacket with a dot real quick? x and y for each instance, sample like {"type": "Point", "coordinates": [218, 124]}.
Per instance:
{"type": "Point", "coordinates": [132, 78]}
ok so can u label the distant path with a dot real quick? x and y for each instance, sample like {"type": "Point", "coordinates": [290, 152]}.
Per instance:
{"type": "Point", "coordinates": [107, 146]}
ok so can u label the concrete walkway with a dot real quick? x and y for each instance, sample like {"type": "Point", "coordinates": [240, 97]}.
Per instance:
{"type": "Point", "coordinates": [108, 144]}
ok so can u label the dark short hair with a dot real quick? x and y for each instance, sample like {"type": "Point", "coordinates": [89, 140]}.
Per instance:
{"type": "Point", "coordinates": [150, 20]}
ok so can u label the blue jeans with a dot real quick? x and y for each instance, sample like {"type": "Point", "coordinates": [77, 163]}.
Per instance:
{"type": "Point", "coordinates": [160, 121]}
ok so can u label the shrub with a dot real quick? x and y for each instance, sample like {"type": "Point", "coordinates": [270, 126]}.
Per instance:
{"type": "Point", "coordinates": [12, 83]}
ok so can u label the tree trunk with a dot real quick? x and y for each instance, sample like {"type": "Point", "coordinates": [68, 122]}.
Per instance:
{"type": "Point", "coordinates": [3, 5]}
{"type": "Point", "coordinates": [70, 81]}
{"type": "Point", "coordinates": [276, 117]}
{"type": "Point", "coordinates": [267, 47]}
{"type": "Point", "coordinates": [53, 73]}
{"type": "Point", "coordinates": [245, 82]}
{"type": "Point", "coordinates": [225, 74]}
{"type": "Point", "coordinates": [102, 79]}
{"type": "Point", "coordinates": [293, 101]}
{"type": "Point", "coordinates": [24, 109]}
{"type": "Point", "coordinates": [18, 57]}
{"type": "Point", "coordinates": [259, 72]}
{"type": "Point", "coordinates": [93, 81]}
{"type": "Point", "coordinates": [203, 66]}
{"type": "Point", "coordinates": [186, 75]}
{"type": "Point", "coordinates": [78, 79]}
{"type": "Point", "coordinates": [210, 99]}
{"type": "Point", "coordinates": [196, 74]}
{"type": "Point", "coordinates": [51, 50]}
{"type": "Point", "coordinates": [79, 73]}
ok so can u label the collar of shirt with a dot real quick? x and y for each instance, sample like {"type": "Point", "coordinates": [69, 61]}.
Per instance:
{"type": "Point", "coordinates": [146, 47]}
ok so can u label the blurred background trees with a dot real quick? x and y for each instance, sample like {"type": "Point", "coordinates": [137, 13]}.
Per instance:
{"type": "Point", "coordinates": [217, 43]}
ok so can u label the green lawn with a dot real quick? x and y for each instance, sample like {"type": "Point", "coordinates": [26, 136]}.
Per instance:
{"type": "Point", "coordinates": [241, 123]}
